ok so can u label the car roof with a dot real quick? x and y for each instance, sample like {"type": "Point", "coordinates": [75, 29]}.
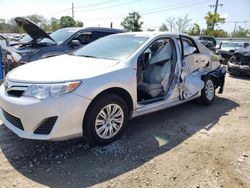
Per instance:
{"type": "Point", "coordinates": [235, 42]}
{"type": "Point", "coordinates": [104, 29]}
{"type": "Point", "coordinates": [152, 34]}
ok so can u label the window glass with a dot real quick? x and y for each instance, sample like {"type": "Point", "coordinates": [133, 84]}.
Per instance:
{"type": "Point", "coordinates": [60, 35]}
{"type": "Point", "coordinates": [117, 47]}
{"type": "Point", "coordinates": [159, 51]}
{"type": "Point", "coordinates": [188, 46]}
{"type": "Point", "coordinates": [84, 38]}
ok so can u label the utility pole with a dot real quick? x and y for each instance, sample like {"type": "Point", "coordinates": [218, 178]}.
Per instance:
{"type": "Point", "coordinates": [215, 9]}
{"type": "Point", "coordinates": [216, 6]}
{"type": "Point", "coordinates": [235, 24]}
{"type": "Point", "coordinates": [73, 10]}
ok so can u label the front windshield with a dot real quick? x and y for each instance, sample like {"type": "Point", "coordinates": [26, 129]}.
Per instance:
{"type": "Point", "coordinates": [60, 35]}
{"type": "Point", "coordinates": [26, 39]}
{"type": "Point", "coordinates": [117, 47]}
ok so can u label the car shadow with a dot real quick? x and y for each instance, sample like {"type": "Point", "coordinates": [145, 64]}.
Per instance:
{"type": "Point", "coordinates": [240, 77]}
{"type": "Point", "coordinates": [74, 163]}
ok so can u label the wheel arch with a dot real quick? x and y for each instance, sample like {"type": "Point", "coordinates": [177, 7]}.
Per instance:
{"type": "Point", "coordinates": [114, 90]}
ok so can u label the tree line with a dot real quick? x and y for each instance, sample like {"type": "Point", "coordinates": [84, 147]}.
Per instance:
{"type": "Point", "coordinates": [133, 22]}
{"type": "Point", "coordinates": [50, 25]}
{"type": "Point", "coordinates": [183, 24]}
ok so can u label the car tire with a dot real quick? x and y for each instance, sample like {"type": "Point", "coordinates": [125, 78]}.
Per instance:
{"type": "Point", "coordinates": [208, 92]}
{"type": "Point", "coordinates": [105, 119]}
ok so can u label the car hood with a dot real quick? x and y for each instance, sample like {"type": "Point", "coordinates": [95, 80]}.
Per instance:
{"type": "Point", "coordinates": [60, 69]}
{"type": "Point", "coordinates": [32, 29]}
{"type": "Point", "coordinates": [227, 48]}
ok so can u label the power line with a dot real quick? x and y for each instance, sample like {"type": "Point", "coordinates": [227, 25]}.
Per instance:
{"type": "Point", "coordinates": [61, 11]}
{"type": "Point", "coordinates": [106, 7]}
{"type": "Point", "coordinates": [157, 10]}
{"type": "Point", "coordinates": [179, 7]}
{"type": "Point", "coordinates": [169, 6]}
{"type": "Point", "coordinates": [96, 4]}
{"type": "Point", "coordinates": [87, 5]}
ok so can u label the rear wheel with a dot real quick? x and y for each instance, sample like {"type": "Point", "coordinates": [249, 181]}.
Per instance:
{"type": "Point", "coordinates": [105, 119]}
{"type": "Point", "coordinates": [208, 92]}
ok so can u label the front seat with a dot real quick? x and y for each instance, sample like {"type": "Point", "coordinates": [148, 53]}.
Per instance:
{"type": "Point", "coordinates": [155, 77]}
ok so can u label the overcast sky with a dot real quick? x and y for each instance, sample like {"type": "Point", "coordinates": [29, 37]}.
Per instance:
{"type": "Point", "coordinates": [153, 12]}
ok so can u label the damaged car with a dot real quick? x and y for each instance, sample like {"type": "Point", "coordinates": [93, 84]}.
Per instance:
{"type": "Point", "coordinates": [227, 48]}
{"type": "Point", "coordinates": [39, 44]}
{"type": "Point", "coordinates": [101, 86]}
{"type": "Point", "coordinates": [209, 42]}
{"type": "Point", "coordinates": [239, 63]}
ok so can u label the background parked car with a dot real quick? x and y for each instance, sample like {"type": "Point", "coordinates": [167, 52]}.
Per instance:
{"type": "Point", "coordinates": [227, 48]}
{"type": "Point", "coordinates": [209, 42]}
{"type": "Point", "coordinates": [62, 41]}
{"type": "Point", "coordinates": [239, 63]}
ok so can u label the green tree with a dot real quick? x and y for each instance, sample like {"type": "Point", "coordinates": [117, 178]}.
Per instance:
{"type": "Point", "coordinates": [38, 19]}
{"type": "Point", "coordinates": [150, 30]}
{"type": "Point", "coordinates": [213, 19]}
{"type": "Point", "coordinates": [163, 27]}
{"type": "Point", "coordinates": [67, 21]}
{"type": "Point", "coordinates": [217, 33]}
{"type": "Point", "coordinates": [13, 27]}
{"type": "Point", "coordinates": [54, 24]}
{"type": "Point", "coordinates": [241, 33]}
{"type": "Point", "coordinates": [195, 30]}
{"type": "Point", "coordinates": [132, 22]}
{"type": "Point", "coordinates": [2, 24]}
{"type": "Point", "coordinates": [79, 23]}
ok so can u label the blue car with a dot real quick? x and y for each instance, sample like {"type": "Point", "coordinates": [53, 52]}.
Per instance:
{"type": "Point", "coordinates": [63, 41]}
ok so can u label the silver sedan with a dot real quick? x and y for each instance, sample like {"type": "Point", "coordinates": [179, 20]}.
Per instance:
{"type": "Point", "coordinates": [93, 92]}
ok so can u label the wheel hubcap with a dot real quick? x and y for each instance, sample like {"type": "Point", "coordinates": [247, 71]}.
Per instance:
{"type": "Point", "coordinates": [209, 89]}
{"type": "Point", "coordinates": [109, 121]}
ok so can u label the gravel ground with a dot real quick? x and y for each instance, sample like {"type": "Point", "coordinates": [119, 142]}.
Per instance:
{"type": "Point", "coordinates": [184, 146]}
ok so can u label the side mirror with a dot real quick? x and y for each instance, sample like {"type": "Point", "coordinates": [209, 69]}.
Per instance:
{"type": "Point", "coordinates": [74, 43]}
{"type": "Point", "coordinates": [189, 50]}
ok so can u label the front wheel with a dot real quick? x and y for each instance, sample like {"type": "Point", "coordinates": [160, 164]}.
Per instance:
{"type": "Point", "coordinates": [105, 119]}
{"type": "Point", "coordinates": [208, 92]}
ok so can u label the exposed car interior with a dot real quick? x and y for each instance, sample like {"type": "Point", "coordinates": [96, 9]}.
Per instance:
{"type": "Point", "coordinates": [154, 69]}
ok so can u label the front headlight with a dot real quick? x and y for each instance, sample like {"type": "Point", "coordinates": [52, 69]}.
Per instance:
{"type": "Point", "coordinates": [44, 91]}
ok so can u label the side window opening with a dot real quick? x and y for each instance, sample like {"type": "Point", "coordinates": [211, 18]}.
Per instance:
{"type": "Point", "coordinates": [84, 38]}
{"type": "Point", "coordinates": [154, 69]}
{"type": "Point", "coordinates": [189, 46]}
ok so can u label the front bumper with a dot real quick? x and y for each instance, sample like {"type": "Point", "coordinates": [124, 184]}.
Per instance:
{"type": "Point", "coordinates": [69, 110]}
{"type": "Point", "coordinates": [238, 69]}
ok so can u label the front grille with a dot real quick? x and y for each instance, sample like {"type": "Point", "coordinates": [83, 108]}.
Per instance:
{"type": "Point", "coordinates": [225, 55]}
{"type": "Point", "coordinates": [15, 93]}
{"type": "Point", "coordinates": [240, 59]}
{"type": "Point", "coordinates": [15, 90]}
{"type": "Point", "coordinates": [245, 60]}
{"type": "Point", "coordinates": [46, 126]}
{"type": "Point", "coordinates": [13, 120]}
